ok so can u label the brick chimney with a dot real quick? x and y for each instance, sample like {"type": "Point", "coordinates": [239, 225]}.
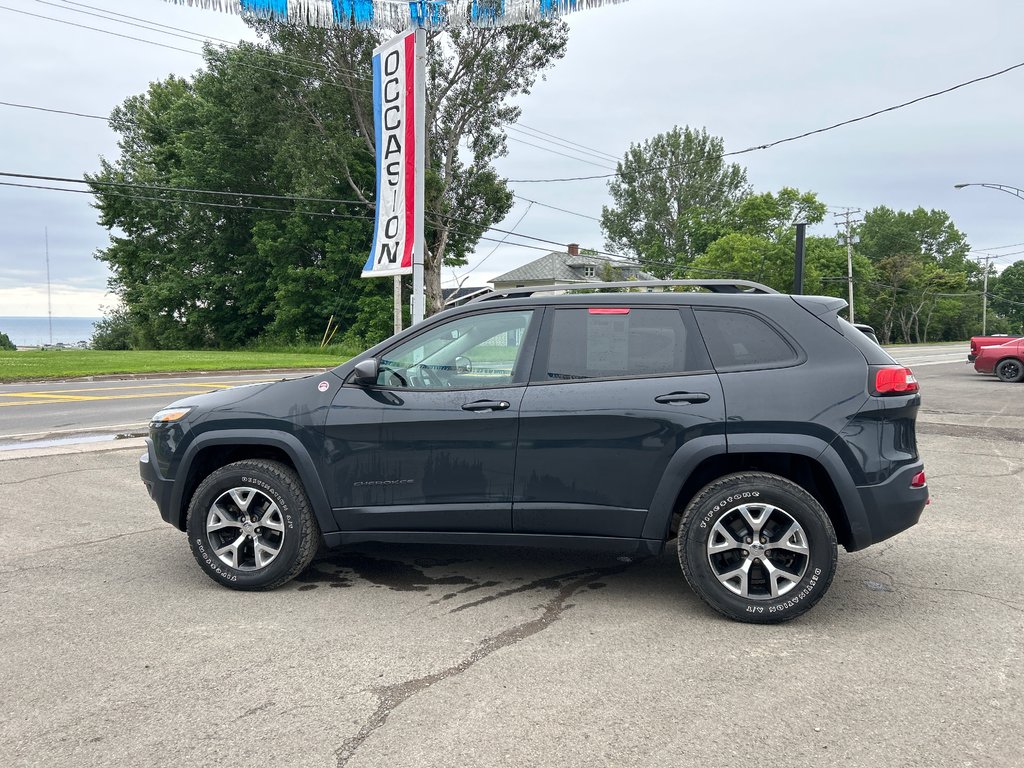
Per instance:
{"type": "Point", "coordinates": [574, 249]}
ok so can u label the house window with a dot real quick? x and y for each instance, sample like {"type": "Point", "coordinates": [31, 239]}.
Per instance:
{"type": "Point", "coordinates": [589, 272]}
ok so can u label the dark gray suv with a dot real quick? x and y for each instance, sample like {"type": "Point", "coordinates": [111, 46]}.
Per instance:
{"type": "Point", "coordinates": [757, 429]}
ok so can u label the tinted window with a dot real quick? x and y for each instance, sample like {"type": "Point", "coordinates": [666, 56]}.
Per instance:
{"type": "Point", "coordinates": [602, 342]}
{"type": "Point", "coordinates": [741, 340]}
{"type": "Point", "coordinates": [467, 353]}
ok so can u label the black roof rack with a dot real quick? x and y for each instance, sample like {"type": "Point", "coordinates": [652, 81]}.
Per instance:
{"type": "Point", "coordinates": [715, 286]}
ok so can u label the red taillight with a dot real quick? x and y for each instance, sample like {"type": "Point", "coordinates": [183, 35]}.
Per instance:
{"type": "Point", "coordinates": [609, 310]}
{"type": "Point", "coordinates": [895, 380]}
{"type": "Point", "coordinates": [918, 481]}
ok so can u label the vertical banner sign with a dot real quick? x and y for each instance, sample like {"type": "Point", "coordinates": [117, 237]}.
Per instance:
{"type": "Point", "coordinates": [394, 112]}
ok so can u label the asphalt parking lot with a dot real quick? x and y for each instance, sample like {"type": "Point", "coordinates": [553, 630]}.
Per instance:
{"type": "Point", "coordinates": [118, 651]}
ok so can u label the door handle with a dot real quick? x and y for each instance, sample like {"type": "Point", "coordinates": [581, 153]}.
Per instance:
{"type": "Point", "coordinates": [485, 406]}
{"type": "Point", "coordinates": [683, 397]}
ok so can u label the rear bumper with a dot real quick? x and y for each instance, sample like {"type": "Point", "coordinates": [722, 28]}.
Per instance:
{"type": "Point", "coordinates": [158, 486]}
{"type": "Point", "coordinates": [893, 506]}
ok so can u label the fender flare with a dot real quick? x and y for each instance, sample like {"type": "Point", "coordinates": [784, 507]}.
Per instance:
{"type": "Point", "coordinates": [290, 444]}
{"type": "Point", "coordinates": [694, 452]}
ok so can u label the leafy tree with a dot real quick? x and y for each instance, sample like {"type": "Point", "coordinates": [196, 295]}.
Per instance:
{"type": "Point", "coordinates": [922, 274]}
{"type": "Point", "coordinates": [6, 343]}
{"type": "Point", "coordinates": [762, 244]}
{"type": "Point", "coordinates": [472, 75]}
{"type": "Point", "coordinates": [293, 116]}
{"type": "Point", "coordinates": [1007, 297]}
{"type": "Point", "coordinates": [673, 196]}
{"type": "Point", "coordinates": [200, 270]}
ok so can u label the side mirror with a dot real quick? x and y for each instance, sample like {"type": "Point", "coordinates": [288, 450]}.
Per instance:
{"type": "Point", "coordinates": [365, 372]}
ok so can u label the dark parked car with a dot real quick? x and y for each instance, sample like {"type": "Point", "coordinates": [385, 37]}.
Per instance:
{"type": "Point", "coordinates": [867, 330]}
{"type": "Point", "coordinates": [755, 428]}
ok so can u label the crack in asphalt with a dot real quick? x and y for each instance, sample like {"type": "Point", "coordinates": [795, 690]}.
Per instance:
{"type": "Point", "coordinates": [99, 541]}
{"type": "Point", "coordinates": [52, 475]}
{"type": "Point", "coordinates": [893, 586]}
{"type": "Point", "coordinates": [548, 582]}
{"type": "Point", "coordinates": [1003, 434]}
{"type": "Point", "coordinates": [390, 697]}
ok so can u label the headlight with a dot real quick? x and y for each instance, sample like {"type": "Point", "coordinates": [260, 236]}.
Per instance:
{"type": "Point", "coordinates": [170, 415]}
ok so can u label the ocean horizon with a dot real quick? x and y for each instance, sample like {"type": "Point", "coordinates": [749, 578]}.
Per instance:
{"type": "Point", "coordinates": [36, 331]}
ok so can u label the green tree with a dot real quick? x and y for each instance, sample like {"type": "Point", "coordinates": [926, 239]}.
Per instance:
{"type": "Point", "coordinates": [473, 74]}
{"type": "Point", "coordinates": [292, 116]}
{"type": "Point", "coordinates": [200, 270]}
{"type": "Point", "coordinates": [922, 275]}
{"type": "Point", "coordinates": [762, 245]}
{"type": "Point", "coordinates": [1007, 297]}
{"type": "Point", "coordinates": [673, 196]}
{"type": "Point", "coordinates": [6, 343]}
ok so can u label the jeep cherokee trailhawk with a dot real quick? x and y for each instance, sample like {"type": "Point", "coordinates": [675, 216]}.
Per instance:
{"type": "Point", "coordinates": [757, 429]}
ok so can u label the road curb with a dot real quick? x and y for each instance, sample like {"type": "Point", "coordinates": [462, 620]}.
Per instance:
{"type": "Point", "coordinates": [137, 443]}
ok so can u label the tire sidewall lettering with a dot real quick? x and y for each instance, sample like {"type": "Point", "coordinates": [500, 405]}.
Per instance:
{"type": "Point", "coordinates": [724, 504]}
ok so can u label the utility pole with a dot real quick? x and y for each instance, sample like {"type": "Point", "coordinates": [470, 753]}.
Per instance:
{"type": "Point", "coordinates": [984, 294]}
{"type": "Point", "coordinates": [848, 223]}
{"type": "Point", "coordinates": [49, 298]}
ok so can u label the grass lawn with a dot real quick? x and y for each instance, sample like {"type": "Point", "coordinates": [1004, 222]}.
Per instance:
{"type": "Point", "coordinates": [32, 365]}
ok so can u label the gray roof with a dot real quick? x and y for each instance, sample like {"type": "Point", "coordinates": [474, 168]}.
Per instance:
{"type": "Point", "coordinates": [559, 267]}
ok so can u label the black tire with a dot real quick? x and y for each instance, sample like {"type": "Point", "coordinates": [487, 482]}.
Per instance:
{"type": "Point", "coordinates": [738, 581]}
{"type": "Point", "coordinates": [250, 525]}
{"type": "Point", "coordinates": [1010, 370]}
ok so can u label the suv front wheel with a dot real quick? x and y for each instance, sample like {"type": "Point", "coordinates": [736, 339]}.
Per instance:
{"type": "Point", "coordinates": [250, 525]}
{"type": "Point", "coordinates": [757, 547]}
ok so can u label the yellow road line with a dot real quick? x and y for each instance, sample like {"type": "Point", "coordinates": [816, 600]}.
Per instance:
{"type": "Point", "coordinates": [204, 386]}
{"type": "Point", "coordinates": [52, 400]}
{"type": "Point", "coordinates": [55, 396]}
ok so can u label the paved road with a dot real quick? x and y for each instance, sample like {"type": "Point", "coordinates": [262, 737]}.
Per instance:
{"type": "Point", "coordinates": [34, 412]}
{"type": "Point", "coordinates": [95, 411]}
{"type": "Point", "coordinates": [118, 651]}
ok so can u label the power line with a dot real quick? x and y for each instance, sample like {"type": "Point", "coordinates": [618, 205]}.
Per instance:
{"type": "Point", "coordinates": [190, 190]}
{"type": "Point", "coordinates": [771, 144]}
{"type": "Point", "coordinates": [198, 37]}
{"type": "Point", "coordinates": [556, 208]}
{"type": "Point", "coordinates": [567, 141]}
{"type": "Point", "coordinates": [55, 111]}
{"type": "Point", "coordinates": [205, 203]}
{"type": "Point", "coordinates": [152, 42]}
{"type": "Point", "coordinates": [495, 248]}
{"type": "Point", "coordinates": [286, 58]}
{"type": "Point", "coordinates": [570, 145]}
{"type": "Point", "coordinates": [556, 152]}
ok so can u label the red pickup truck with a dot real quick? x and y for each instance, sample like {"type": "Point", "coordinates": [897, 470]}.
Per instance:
{"type": "Point", "coordinates": [977, 342]}
{"type": "Point", "coordinates": [1005, 360]}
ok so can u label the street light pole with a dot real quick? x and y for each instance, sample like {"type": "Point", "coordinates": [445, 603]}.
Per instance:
{"type": "Point", "coordinates": [1016, 192]}
{"type": "Point", "coordinates": [1001, 187]}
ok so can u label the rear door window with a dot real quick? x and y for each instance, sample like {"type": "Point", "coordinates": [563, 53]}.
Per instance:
{"type": "Point", "coordinates": [616, 342]}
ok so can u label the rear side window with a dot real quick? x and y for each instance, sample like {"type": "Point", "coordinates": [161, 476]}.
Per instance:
{"type": "Point", "coordinates": [740, 340]}
{"type": "Point", "coordinates": [613, 342]}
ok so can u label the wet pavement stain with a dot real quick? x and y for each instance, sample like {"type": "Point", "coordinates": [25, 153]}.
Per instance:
{"type": "Point", "coordinates": [338, 571]}
{"type": "Point", "coordinates": [450, 595]}
{"type": "Point", "coordinates": [390, 697]}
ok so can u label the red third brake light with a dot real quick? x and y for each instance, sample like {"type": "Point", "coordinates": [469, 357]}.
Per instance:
{"type": "Point", "coordinates": [895, 380]}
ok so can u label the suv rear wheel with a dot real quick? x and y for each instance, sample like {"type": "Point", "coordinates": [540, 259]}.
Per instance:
{"type": "Point", "coordinates": [757, 547]}
{"type": "Point", "coordinates": [250, 525]}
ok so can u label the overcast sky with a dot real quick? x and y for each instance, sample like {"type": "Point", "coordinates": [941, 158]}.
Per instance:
{"type": "Point", "coordinates": [749, 71]}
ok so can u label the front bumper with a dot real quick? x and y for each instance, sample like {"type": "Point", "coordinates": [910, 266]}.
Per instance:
{"type": "Point", "coordinates": [159, 487]}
